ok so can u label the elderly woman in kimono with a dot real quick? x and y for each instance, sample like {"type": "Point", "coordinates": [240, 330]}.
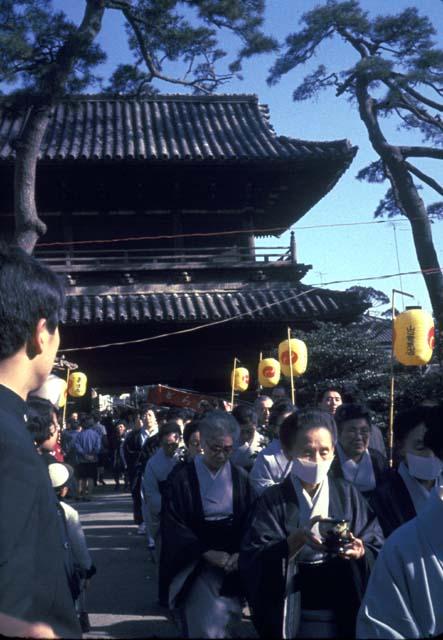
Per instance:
{"type": "Point", "coordinates": [203, 520]}
{"type": "Point", "coordinates": [406, 488]}
{"type": "Point", "coordinates": [355, 460]}
{"type": "Point", "coordinates": [404, 598]}
{"type": "Point", "coordinates": [295, 588]}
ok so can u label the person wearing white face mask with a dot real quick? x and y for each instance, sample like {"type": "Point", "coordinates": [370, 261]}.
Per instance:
{"type": "Point", "coordinates": [295, 587]}
{"type": "Point", "coordinates": [405, 592]}
{"type": "Point", "coordinates": [406, 488]}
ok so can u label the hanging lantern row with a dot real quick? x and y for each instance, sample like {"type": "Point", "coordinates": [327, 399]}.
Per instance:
{"type": "Point", "coordinates": [270, 370]}
{"type": "Point", "coordinates": [413, 337]}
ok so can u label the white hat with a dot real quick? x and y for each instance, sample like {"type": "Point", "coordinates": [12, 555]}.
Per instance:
{"type": "Point", "coordinates": [53, 389]}
{"type": "Point", "coordinates": [59, 474]}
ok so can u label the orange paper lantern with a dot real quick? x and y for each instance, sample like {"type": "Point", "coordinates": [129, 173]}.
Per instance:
{"type": "Point", "coordinates": [269, 372]}
{"type": "Point", "coordinates": [299, 357]}
{"type": "Point", "coordinates": [413, 337]}
{"type": "Point", "coordinates": [240, 379]}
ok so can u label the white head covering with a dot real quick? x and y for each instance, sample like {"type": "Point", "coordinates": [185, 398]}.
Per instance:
{"type": "Point", "coordinates": [58, 473]}
{"type": "Point", "coordinates": [53, 389]}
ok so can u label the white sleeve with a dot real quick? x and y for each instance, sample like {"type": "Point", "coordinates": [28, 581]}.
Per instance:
{"type": "Point", "coordinates": [260, 476]}
{"type": "Point", "coordinates": [77, 539]}
{"type": "Point", "coordinates": [151, 489]}
{"type": "Point", "coordinates": [387, 610]}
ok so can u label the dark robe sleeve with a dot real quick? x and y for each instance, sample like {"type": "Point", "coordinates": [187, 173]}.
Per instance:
{"type": "Point", "coordinates": [180, 544]}
{"type": "Point", "coordinates": [263, 553]}
{"type": "Point", "coordinates": [379, 464]}
{"type": "Point", "coordinates": [392, 503]}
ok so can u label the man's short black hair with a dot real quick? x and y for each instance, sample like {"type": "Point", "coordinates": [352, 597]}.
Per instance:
{"type": "Point", "coordinates": [407, 420]}
{"type": "Point", "coordinates": [278, 411]}
{"type": "Point", "coordinates": [303, 421]}
{"type": "Point", "coordinates": [245, 415]}
{"type": "Point", "coordinates": [325, 388]}
{"type": "Point", "coordinates": [166, 429]}
{"type": "Point", "coordinates": [29, 291]}
{"type": "Point", "coordinates": [353, 411]}
{"type": "Point", "coordinates": [40, 416]}
{"type": "Point", "coordinates": [177, 413]}
{"type": "Point", "coordinates": [190, 428]}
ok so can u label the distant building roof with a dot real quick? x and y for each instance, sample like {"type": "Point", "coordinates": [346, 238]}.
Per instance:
{"type": "Point", "coordinates": [296, 304]}
{"type": "Point", "coordinates": [167, 128]}
{"type": "Point", "coordinates": [379, 329]}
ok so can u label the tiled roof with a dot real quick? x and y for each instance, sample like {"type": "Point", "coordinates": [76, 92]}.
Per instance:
{"type": "Point", "coordinates": [165, 128]}
{"type": "Point", "coordinates": [379, 329]}
{"type": "Point", "coordinates": [286, 304]}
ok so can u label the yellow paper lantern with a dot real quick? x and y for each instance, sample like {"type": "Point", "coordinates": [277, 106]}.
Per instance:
{"type": "Point", "coordinates": [269, 372]}
{"type": "Point", "coordinates": [77, 384]}
{"type": "Point", "coordinates": [299, 356]}
{"type": "Point", "coordinates": [414, 337]}
{"type": "Point", "coordinates": [240, 379]}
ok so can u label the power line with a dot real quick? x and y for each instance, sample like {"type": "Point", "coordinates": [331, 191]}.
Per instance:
{"type": "Point", "coordinates": [209, 234]}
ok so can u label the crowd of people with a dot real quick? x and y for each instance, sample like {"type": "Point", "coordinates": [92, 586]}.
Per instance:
{"type": "Point", "coordinates": [293, 514]}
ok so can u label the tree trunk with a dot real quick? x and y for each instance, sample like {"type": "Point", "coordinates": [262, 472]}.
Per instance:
{"type": "Point", "coordinates": [28, 226]}
{"type": "Point", "coordinates": [407, 198]}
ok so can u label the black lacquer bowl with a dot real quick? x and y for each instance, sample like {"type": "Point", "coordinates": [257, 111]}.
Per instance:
{"type": "Point", "coordinates": [335, 534]}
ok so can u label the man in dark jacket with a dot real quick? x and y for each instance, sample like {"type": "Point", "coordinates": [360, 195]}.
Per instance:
{"type": "Point", "coordinates": [33, 580]}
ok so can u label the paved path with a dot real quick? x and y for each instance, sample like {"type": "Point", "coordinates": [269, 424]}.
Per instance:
{"type": "Point", "coordinates": [121, 600]}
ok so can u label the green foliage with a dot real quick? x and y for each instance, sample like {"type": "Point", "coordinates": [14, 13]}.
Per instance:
{"type": "Point", "coordinates": [352, 359]}
{"type": "Point", "coordinates": [397, 60]}
{"type": "Point", "coordinates": [33, 37]}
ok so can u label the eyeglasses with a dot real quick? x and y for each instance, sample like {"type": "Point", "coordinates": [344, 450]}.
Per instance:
{"type": "Point", "coordinates": [358, 432]}
{"type": "Point", "coordinates": [216, 449]}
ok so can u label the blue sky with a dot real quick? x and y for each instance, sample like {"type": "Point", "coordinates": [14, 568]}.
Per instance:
{"type": "Point", "coordinates": [339, 253]}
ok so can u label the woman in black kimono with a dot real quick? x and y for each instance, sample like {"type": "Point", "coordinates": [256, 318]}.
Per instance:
{"type": "Point", "coordinates": [406, 487]}
{"type": "Point", "coordinates": [355, 460]}
{"type": "Point", "coordinates": [295, 588]}
{"type": "Point", "coordinates": [202, 522]}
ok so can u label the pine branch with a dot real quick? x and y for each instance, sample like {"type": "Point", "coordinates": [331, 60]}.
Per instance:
{"type": "Point", "coordinates": [425, 178]}
{"type": "Point", "coordinates": [419, 96]}
{"type": "Point", "coordinates": [421, 152]}
{"type": "Point", "coordinates": [154, 71]}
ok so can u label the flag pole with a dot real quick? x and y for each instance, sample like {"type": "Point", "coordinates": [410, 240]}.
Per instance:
{"type": "Point", "coordinates": [392, 385]}
{"type": "Point", "coordinates": [232, 383]}
{"type": "Point", "coordinates": [290, 366]}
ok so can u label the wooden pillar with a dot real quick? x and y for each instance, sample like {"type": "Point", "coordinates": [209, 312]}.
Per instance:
{"type": "Point", "coordinates": [248, 224]}
{"type": "Point", "coordinates": [293, 248]}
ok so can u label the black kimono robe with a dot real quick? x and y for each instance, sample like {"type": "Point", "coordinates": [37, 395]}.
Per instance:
{"type": "Point", "coordinates": [392, 503]}
{"type": "Point", "coordinates": [270, 580]}
{"type": "Point", "coordinates": [379, 465]}
{"type": "Point", "coordinates": [183, 532]}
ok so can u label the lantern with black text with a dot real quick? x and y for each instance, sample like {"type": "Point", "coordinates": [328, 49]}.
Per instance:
{"type": "Point", "coordinates": [413, 337]}
{"type": "Point", "coordinates": [240, 379]}
{"type": "Point", "coordinates": [269, 372]}
{"type": "Point", "coordinates": [299, 357]}
{"type": "Point", "coordinates": [77, 384]}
